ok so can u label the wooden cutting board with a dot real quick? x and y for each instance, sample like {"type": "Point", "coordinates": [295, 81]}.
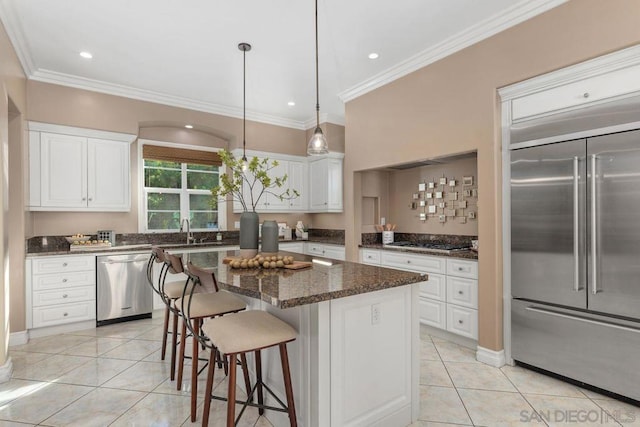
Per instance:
{"type": "Point", "coordinates": [298, 265]}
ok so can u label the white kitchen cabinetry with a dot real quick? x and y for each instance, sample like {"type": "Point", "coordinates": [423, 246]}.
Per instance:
{"type": "Point", "coordinates": [325, 250]}
{"type": "Point", "coordinates": [297, 247]}
{"type": "Point", "coordinates": [295, 168]}
{"type": "Point", "coordinates": [449, 298]}
{"type": "Point", "coordinates": [74, 169]}
{"type": "Point", "coordinates": [60, 290]}
{"type": "Point", "coordinates": [325, 185]}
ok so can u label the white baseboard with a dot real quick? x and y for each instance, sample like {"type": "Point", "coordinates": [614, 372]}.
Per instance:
{"type": "Point", "coordinates": [490, 357]}
{"type": "Point", "coordinates": [61, 329]}
{"type": "Point", "coordinates": [18, 338]}
{"type": "Point", "coordinates": [6, 370]}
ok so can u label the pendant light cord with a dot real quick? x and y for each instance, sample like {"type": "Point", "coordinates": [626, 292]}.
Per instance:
{"type": "Point", "coordinates": [317, 79]}
{"type": "Point", "coordinates": [244, 104]}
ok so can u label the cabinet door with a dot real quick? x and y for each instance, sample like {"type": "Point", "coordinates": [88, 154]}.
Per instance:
{"type": "Point", "coordinates": [64, 170]}
{"type": "Point", "coordinates": [108, 175]}
{"type": "Point", "coordinates": [272, 202]}
{"type": "Point", "coordinates": [318, 190]}
{"type": "Point", "coordinates": [334, 184]}
{"type": "Point", "coordinates": [297, 181]}
{"type": "Point", "coordinates": [334, 252]}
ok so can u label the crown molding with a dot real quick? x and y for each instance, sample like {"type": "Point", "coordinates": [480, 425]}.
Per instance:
{"type": "Point", "coordinates": [15, 32]}
{"type": "Point", "coordinates": [324, 118]}
{"type": "Point", "coordinates": [48, 76]}
{"type": "Point", "coordinates": [516, 14]}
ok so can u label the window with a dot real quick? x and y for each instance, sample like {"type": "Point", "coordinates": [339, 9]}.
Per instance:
{"type": "Point", "coordinates": [177, 185]}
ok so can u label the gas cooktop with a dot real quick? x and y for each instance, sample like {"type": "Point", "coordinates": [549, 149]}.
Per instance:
{"type": "Point", "coordinates": [429, 246]}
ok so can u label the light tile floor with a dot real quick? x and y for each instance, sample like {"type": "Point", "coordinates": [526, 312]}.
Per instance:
{"type": "Point", "coordinates": [113, 375]}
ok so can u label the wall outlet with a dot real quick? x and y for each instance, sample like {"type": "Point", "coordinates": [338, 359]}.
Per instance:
{"type": "Point", "coordinates": [375, 314]}
{"type": "Point", "coordinates": [236, 224]}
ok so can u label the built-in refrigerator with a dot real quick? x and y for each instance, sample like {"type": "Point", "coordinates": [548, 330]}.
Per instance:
{"type": "Point", "coordinates": [575, 260]}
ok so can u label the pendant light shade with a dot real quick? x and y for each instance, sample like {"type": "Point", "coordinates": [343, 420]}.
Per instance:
{"type": "Point", "coordinates": [244, 47]}
{"type": "Point", "coordinates": [318, 143]}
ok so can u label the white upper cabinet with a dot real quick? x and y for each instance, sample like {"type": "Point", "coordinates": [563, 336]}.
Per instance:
{"type": "Point", "coordinates": [298, 181]}
{"type": "Point", "coordinates": [72, 171]}
{"type": "Point", "coordinates": [325, 185]}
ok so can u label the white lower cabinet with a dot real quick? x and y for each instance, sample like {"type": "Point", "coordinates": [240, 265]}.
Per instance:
{"type": "Point", "coordinates": [297, 247]}
{"type": "Point", "coordinates": [449, 299]}
{"type": "Point", "coordinates": [325, 250]}
{"type": "Point", "coordinates": [60, 290]}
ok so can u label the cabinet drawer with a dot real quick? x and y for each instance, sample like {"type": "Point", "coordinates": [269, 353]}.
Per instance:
{"type": "Point", "coordinates": [462, 268]}
{"type": "Point", "coordinates": [462, 292]}
{"type": "Point", "coordinates": [418, 263]}
{"type": "Point", "coordinates": [64, 313]}
{"type": "Point", "coordinates": [315, 249]}
{"type": "Point", "coordinates": [432, 313]}
{"type": "Point", "coordinates": [63, 296]}
{"type": "Point", "coordinates": [370, 256]}
{"type": "Point", "coordinates": [462, 321]}
{"type": "Point", "coordinates": [434, 288]}
{"type": "Point", "coordinates": [577, 94]}
{"type": "Point", "coordinates": [60, 264]}
{"type": "Point", "coordinates": [63, 280]}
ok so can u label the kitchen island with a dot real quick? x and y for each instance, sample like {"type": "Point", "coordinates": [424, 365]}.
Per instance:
{"type": "Point", "coordinates": [355, 360]}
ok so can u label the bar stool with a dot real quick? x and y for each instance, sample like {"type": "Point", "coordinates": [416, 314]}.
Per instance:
{"type": "Point", "coordinates": [169, 292]}
{"type": "Point", "coordinates": [241, 333]}
{"type": "Point", "coordinates": [196, 307]}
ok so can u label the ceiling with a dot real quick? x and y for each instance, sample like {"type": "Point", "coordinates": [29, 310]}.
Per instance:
{"type": "Point", "coordinates": [185, 53]}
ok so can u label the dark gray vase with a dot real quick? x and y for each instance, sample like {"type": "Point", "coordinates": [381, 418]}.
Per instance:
{"type": "Point", "coordinates": [249, 232]}
{"type": "Point", "coordinates": [270, 236]}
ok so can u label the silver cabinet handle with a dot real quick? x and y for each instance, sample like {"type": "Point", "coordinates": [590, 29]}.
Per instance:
{"type": "Point", "coordinates": [64, 280]}
{"type": "Point", "coordinates": [408, 261]}
{"type": "Point", "coordinates": [64, 295]}
{"type": "Point", "coordinates": [460, 293]}
{"type": "Point", "coordinates": [84, 198]}
{"type": "Point", "coordinates": [585, 95]}
{"type": "Point", "coordinates": [64, 264]}
{"type": "Point", "coordinates": [576, 226]}
{"type": "Point", "coordinates": [594, 228]}
{"type": "Point", "coordinates": [460, 321]}
{"type": "Point", "coordinates": [460, 269]}
{"type": "Point", "coordinates": [90, 198]}
{"type": "Point", "coordinates": [65, 314]}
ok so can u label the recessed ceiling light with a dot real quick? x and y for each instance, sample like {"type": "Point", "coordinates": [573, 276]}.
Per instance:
{"type": "Point", "coordinates": [373, 55]}
{"type": "Point", "coordinates": [291, 103]}
{"type": "Point", "coordinates": [189, 126]}
{"type": "Point", "coordinates": [86, 55]}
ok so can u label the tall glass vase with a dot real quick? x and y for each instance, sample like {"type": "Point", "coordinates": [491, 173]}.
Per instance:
{"type": "Point", "coordinates": [248, 234]}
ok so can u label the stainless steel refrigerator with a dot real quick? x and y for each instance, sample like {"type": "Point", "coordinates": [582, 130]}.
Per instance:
{"type": "Point", "coordinates": [575, 260]}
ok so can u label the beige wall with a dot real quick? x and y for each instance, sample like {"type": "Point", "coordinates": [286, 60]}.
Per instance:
{"type": "Point", "coordinates": [450, 107]}
{"type": "Point", "coordinates": [12, 114]}
{"type": "Point", "coordinates": [403, 184]}
{"type": "Point", "coordinates": [375, 195]}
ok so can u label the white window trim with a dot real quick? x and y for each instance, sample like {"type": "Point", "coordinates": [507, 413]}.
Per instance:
{"type": "Point", "coordinates": [142, 206]}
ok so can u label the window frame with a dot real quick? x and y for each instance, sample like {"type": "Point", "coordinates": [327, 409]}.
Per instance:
{"type": "Point", "coordinates": [183, 191]}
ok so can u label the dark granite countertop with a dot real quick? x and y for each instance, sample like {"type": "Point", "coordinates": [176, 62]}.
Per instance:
{"type": "Point", "coordinates": [291, 288]}
{"type": "Point", "coordinates": [455, 254]}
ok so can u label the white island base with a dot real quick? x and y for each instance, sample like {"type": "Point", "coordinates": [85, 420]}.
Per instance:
{"type": "Point", "coordinates": [355, 361]}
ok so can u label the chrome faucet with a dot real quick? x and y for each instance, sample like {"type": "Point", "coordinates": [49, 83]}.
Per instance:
{"type": "Point", "coordinates": [190, 237]}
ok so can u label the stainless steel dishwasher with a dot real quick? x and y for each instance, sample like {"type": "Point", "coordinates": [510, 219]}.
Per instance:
{"type": "Point", "coordinates": [122, 289]}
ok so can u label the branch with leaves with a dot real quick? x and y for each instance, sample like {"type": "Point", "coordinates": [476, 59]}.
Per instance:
{"type": "Point", "coordinates": [243, 184]}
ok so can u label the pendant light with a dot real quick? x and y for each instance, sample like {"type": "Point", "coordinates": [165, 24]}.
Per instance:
{"type": "Point", "coordinates": [244, 47]}
{"type": "Point", "coordinates": [318, 143]}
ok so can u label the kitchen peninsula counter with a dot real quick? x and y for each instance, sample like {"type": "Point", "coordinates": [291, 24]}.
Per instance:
{"type": "Point", "coordinates": [284, 288]}
{"type": "Point", "coordinates": [355, 360]}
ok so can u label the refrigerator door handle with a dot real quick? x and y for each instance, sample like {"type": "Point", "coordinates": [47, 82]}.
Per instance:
{"type": "Point", "coordinates": [594, 227]}
{"type": "Point", "coordinates": [576, 225]}
{"type": "Point", "coordinates": [582, 319]}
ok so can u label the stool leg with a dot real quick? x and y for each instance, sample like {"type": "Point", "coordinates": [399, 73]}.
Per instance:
{"type": "Point", "coordinates": [259, 380]}
{"type": "Point", "coordinates": [183, 340]}
{"type": "Point", "coordinates": [174, 344]}
{"type": "Point", "coordinates": [284, 357]}
{"type": "Point", "coordinates": [245, 371]}
{"type": "Point", "coordinates": [194, 371]}
{"type": "Point", "coordinates": [207, 394]}
{"type": "Point", "coordinates": [231, 394]}
{"type": "Point", "coordinates": [165, 332]}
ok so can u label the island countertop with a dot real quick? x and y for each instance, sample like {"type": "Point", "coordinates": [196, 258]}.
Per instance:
{"type": "Point", "coordinates": [323, 281]}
